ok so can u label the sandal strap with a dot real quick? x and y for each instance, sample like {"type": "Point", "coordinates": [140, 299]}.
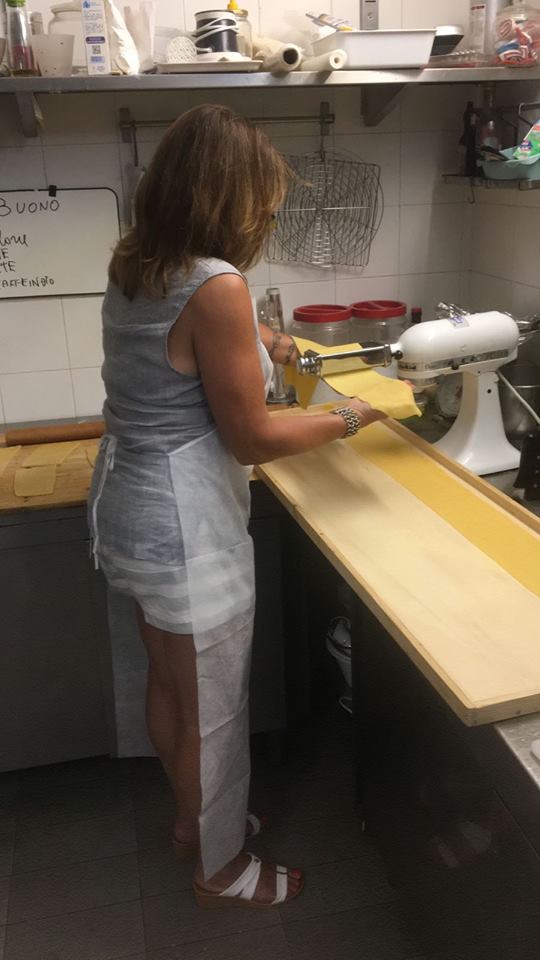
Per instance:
{"type": "Point", "coordinates": [282, 884]}
{"type": "Point", "coordinates": [255, 824]}
{"type": "Point", "coordinates": [245, 885]}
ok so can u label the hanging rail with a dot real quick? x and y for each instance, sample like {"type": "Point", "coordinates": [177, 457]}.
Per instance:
{"type": "Point", "coordinates": [129, 126]}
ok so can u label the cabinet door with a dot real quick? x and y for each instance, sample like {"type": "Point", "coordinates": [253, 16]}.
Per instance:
{"type": "Point", "coordinates": [51, 692]}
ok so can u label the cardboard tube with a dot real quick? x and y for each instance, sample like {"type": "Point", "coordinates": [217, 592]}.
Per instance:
{"type": "Point", "coordinates": [333, 60]}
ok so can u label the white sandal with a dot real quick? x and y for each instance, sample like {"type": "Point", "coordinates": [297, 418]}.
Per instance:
{"type": "Point", "coordinates": [186, 851]}
{"type": "Point", "coordinates": [241, 892]}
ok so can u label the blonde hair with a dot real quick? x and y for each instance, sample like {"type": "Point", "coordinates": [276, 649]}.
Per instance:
{"type": "Point", "coordinates": [211, 190]}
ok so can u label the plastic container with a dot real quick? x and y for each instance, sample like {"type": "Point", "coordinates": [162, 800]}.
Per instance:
{"type": "Point", "coordinates": [379, 321]}
{"type": "Point", "coordinates": [67, 20]}
{"type": "Point", "coordinates": [325, 323]}
{"type": "Point", "coordinates": [517, 36]}
{"type": "Point", "coordinates": [528, 168]}
{"type": "Point", "coordinates": [379, 49]}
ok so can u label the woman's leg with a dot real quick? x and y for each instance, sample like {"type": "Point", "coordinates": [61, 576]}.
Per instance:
{"type": "Point", "coordinates": [172, 717]}
{"type": "Point", "coordinates": [173, 726]}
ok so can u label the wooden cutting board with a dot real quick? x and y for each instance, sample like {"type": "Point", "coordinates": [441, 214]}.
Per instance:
{"type": "Point", "coordinates": [470, 626]}
{"type": "Point", "coordinates": [73, 478]}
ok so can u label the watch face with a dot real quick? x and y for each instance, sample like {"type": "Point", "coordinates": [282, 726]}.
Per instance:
{"type": "Point", "coordinates": [448, 396]}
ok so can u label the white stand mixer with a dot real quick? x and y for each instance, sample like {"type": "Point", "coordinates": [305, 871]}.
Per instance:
{"type": "Point", "coordinates": [476, 345]}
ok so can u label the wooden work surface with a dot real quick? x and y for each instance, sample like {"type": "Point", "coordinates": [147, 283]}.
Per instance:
{"type": "Point", "coordinates": [471, 628]}
{"type": "Point", "coordinates": [73, 479]}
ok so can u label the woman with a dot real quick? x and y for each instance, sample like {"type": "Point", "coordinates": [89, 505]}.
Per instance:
{"type": "Point", "coordinates": [186, 373]}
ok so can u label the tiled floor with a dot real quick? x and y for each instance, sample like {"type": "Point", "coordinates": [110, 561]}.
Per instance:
{"type": "Point", "coordinates": [87, 872]}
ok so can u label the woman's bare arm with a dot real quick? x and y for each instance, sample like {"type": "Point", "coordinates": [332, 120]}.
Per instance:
{"type": "Point", "coordinates": [220, 318]}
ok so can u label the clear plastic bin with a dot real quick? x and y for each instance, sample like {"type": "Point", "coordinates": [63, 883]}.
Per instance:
{"type": "Point", "coordinates": [378, 321]}
{"type": "Point", "coordinates": [329, 324]}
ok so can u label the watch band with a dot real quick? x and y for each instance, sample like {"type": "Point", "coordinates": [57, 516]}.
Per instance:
{"type": "Point", "coordinates": [352, 420]}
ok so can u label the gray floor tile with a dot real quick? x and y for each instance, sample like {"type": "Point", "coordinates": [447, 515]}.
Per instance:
{"type": "Point", "coordinates": [175, 919]}
{"type": "Point", "coordinates": [102, 934]}
{"type": "Point", "coordinates": [7, 848]}
{"type": "Point", "coordinates": [9, 795]}
{"type": "Point", "coordinates": [267, 944]}
{"type": "Point", "coordinates": [79, 886]}
{"type": "Point", "coordinates": [335, 887]}
{"type": "Point", "coordinates": [73, 842]}
{"type": "Point", "coordinates": [77, 771]}
{"type": "Point", "coordinates": [154, 814]}
{"type": "Point", "coordinates": [4, 891]}
{"type": "Point", "coordinates": [374, 934]}
{"type": "Point", "coordinates": [162, 872]}
{"type": "Point", "coordinates": [286, 798]}
{"type": "Point", "coordinates": [2, 941]}
{"type": "Point", "coordinates": [314, 841]}
{"type": "Point", "coordinates": [44, 806]}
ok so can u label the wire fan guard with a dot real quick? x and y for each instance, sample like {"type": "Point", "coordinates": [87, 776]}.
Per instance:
{"type": "Point", "coordinates": [332, 211]}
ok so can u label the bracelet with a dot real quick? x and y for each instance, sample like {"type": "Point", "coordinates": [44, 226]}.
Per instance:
{"type": "Point", "coordinates": [352, 420]}
{"type": "Point", "coordinates": [276, 340]}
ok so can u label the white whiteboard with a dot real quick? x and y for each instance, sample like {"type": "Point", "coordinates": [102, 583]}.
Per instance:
{"type": "Point", "coordinates": [52, 246]}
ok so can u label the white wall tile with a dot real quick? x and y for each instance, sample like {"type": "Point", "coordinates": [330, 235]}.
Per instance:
{"type": "Point", "coordinates": [425, 157]}
{"type": "Point", "coordinates": [300, 273]}
{"type": "Point", "coordinates": [82, 317]}
{"type": "Point", "coordinates": [37, 396]}
{"type": "Point", "coordinates": [22, 168]}
{"type": "Point", "coordinates": [428, 289]}
{"type": "Point", "coordinates": [437, 107]}
{"type": "Point", "coordinates": [433, 13]}
{"type": "Point", "coordinates": [526, 250]}
{"type": "Point", "coordinates": [493, 240]}
{"type": "Point", "coordinates": [79, 118]}
{"type": "Point", "coordinates": [490, 293]}
{"type": "Point", "coordinates": [11, 134]}
{"type": "Point", "coordinates": [32, 336]}
{"type": "Point", "coordinates": [525, 300]}
{"type": "Point", "coordinates": [259, 275]}
{"type": "Point", "coordinates": [431, 238]}
{"type": "Point", "coordinates": [89, 165]}
{"type": "Point", "coordinates": [89, 391]}
{"type": "Point", "coordinates": [2, 415]}
{"type": "Point", "coordinates": [384, 256]}
{"type": "Point", "coordinates": [353, 289]}
{"type": "Point", "coordinates": [299, 294]}
{"type": "Point", "coordinates": [382, 149]}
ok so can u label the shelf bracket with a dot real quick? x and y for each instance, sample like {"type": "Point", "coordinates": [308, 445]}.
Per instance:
{"type": "Point", "coordinates": [30, 115]}
{"type": "Point", "coordinates": [378, 101]}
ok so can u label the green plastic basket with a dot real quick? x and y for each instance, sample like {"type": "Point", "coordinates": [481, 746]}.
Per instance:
{"type": "Point", "coordinates": [512, 169]}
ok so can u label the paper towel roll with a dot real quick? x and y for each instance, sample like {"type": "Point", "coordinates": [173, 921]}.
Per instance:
{"type": "Point", "coordinates": [288, 58]}
{"type": "Point", "coordinates": [333, 60]}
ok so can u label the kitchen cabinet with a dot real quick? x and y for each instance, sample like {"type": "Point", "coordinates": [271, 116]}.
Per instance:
{"type": "Point", "coordinates": [57, 684]}
{"type": "Point", "coordinates": [53, 641]}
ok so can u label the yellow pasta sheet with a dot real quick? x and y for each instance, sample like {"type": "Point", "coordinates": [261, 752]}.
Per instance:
{"type": "Point", "coordinates": [6, 456]}
{"type": "Point", "coordinates": [51, 453]}
{"type": "Point", "coordinates": [35, 481]}
{"type": "Point", "coordinates": [392, 397]}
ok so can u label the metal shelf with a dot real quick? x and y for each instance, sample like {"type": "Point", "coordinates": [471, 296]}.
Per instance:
{"type": "Point", "coordinates": [380, 88]}
{"type": "Point", "coordinates": [487, 184]}
{"type": "Point", "coordinates": [298, 78]}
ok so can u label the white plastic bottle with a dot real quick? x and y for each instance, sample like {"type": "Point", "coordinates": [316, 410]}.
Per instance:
{"type": "Point", "coordinates": [482, 25]}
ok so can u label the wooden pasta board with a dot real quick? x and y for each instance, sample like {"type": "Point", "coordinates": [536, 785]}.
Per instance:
{"type": "Point", "coordinates": [468, 625]}
{"type": "Point", "coordinates": [73, 479]}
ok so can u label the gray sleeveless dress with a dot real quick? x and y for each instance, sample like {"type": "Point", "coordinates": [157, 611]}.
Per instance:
{"type": "Point", "coordinates": [168, 512]}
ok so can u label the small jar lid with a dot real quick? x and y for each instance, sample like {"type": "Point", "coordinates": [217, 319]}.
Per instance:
{"type": "Point", "coordinates": [71, 7]}
{"type": "Point", "coordinates": [378, 309]}
{"type": "Point", "coordinates": [322, 313]}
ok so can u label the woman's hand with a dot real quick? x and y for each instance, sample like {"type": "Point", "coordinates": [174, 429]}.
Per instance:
{"type": "Point", "coordinates": [364, 410]}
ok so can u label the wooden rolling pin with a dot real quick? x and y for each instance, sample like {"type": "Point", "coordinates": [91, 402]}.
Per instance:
{"type": "Point", "coordinates": [67, 431]}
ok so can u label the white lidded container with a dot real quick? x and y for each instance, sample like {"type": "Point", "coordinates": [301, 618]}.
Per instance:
{"type": "Point", "coordinates": [380, 49]}
{"type": "Point", "coordinates": [67, 20]}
